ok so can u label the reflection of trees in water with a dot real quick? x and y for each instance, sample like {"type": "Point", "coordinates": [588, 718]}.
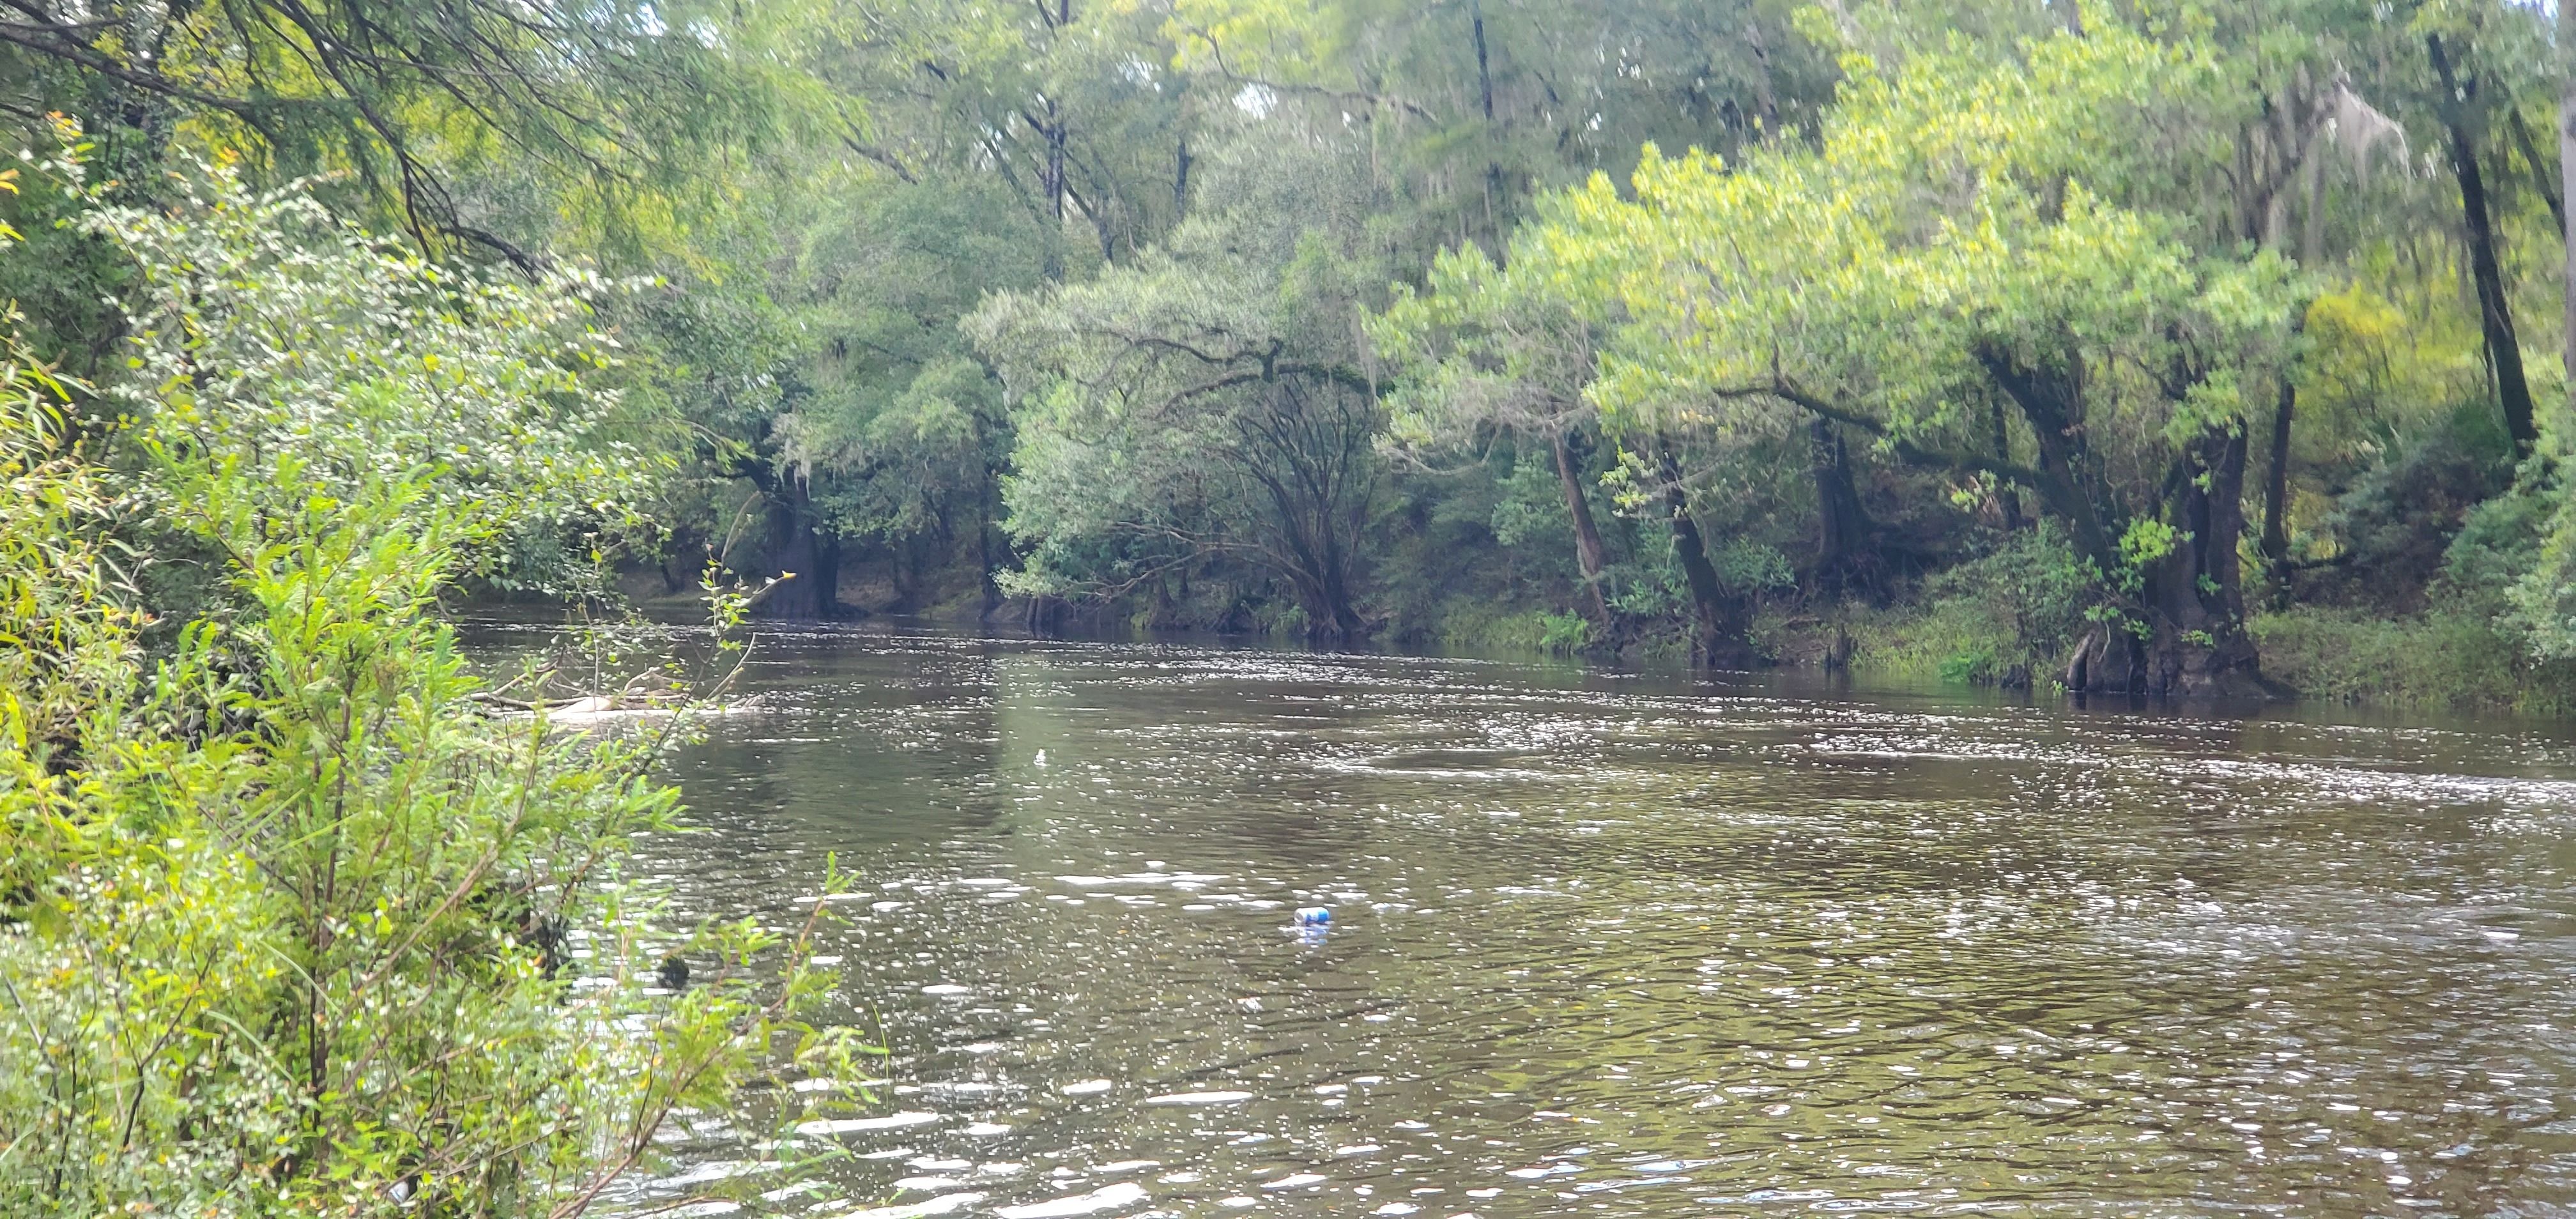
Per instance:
{"type": "Point", "coordinates": [849, 746]}
{"type": "Point", "coordinates": [1858, 946]}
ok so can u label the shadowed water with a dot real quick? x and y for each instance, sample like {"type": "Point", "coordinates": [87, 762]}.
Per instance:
{"type": "Point", "coordinates": [1645, 947]}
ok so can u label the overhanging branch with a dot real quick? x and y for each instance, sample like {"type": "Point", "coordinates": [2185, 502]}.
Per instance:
{"type": "Point", "coordinates": [1780, 389]}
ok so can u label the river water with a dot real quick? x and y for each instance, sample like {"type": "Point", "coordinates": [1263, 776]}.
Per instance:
{"type": "Point", "coordinates": [1642, 945]}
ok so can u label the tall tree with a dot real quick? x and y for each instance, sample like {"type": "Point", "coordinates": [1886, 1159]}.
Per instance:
{"type": "Point", "coordinates": [2567, 180]}
{"type": "Point", "coordinates": [1480, 107]}
{"type": "Point", "coordinates": [1209, 399]}
{"type": "Point", "coordinates": [2298, 100]}
{"type": "Point", "coordinates": [615, 106]}
{"type": "Point", "coordinates": [1070, 104]}
{"type": "Point", "coordinates": [1916, 262]}
{"type": "Point", "coordinates": [950, 149]}
{"type": "Point", "coordinates": [2461, 106]}
{"type": "Point", "coordinates": [1488, 349]}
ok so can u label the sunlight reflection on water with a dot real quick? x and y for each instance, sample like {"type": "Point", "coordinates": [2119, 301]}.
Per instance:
{"type": "Point", "coordinates": [1671, 948]}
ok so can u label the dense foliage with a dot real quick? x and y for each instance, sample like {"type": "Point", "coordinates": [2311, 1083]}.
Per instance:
{"type": "Point", "coordinates": [294, 922]}
{"type": "Point", "coordinates": [1285, 317]}
{"type": "Point", "coordinates": [2213, 350]}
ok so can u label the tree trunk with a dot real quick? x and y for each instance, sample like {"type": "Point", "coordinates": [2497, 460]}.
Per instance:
{"type": "Point", "coordinates": [2184, 631]}
{"type": "Point", "coordinates": [1484, 70]}
{"type": "Point", "coordinates": [2530, 150]}
{"type": "Point", "coordinates": [1322, 580]}
{"type": "Point", "coordinates": [1316, 565]}
{"type": "Point", "coordinates": [675, 550]}
{"type": "Point", "coordinates": [984, 566]}
{"type": "Point", "coordinates": [1765, 98]}
{"type": "Point", "coordinates": [1845, 560]}
{"type": "Point", "coordinates": [1047, 615]}
{"type": "Point", "coordinates": [2275, 542]}
{"type": "Point", "coordinates": [1485, 91]}
{"type": "Point", "coordinates": [1344, 624]}
{"type": "Point", "coordinates": [2248, 177]}
{"type": "Point", "coordinates": [2312, 222]}
{"type": "Point", "coordinates": [2567, 168]}
{"type": "Point", "coordinates": [808, 564]}
{"type": "Point", "coordinates": [1719, 621]}
{"type": "Point", "coordinates": [2051, 400]}
{"type": "Point", "coordinates": [2189, 635]}
{"type": "Point", "coordinates": [2276, 493]}
{"type": "Point", "coordinates": [2007, 496]}
{"type": "Point", "coordinates": [827, 571]}
{"type": "Point", "coordinates": [1588, 550]}
{"type": "Point", "coordinates": [1053, 133]}
{"type": "Point", "coordinates": [2495, 313]}
{"type": "Point", "coordinates": [1309, 454]}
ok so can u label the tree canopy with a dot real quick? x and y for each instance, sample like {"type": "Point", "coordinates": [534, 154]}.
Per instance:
{"type": "Point", "coordinates": [1377, 320]}
{"type": "Point", "coordinates": [2067, 347]}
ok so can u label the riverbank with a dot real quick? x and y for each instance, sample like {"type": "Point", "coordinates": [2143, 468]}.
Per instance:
{"type": "Point", "coordinates": [2428, 661]}
{"type": "Point", "coordinates": [2321, 654]}
{"type": "Point", "coordinates": [1976, 626]}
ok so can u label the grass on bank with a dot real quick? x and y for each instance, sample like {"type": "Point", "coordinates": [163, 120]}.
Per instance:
{"type": "Point", "coordinates": [2435, 659]}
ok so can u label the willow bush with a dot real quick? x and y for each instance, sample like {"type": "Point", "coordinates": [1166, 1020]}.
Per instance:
{"type": "Point", "coordinates": [290, 922]}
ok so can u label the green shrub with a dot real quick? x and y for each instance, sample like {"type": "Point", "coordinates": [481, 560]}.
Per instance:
{"type": "Point", "coordinates": [2483, 641]}
{"type": "Point", "coordinates": [2523, 544]}
{"type": "Point", "coordinates": [1976, 665]}
{"type": "Point", "coordinates": [291, 923]}
{"type": "Point", "coordinates": [2011, 614]}
{"type": "Point", "coordinates": [1483, 627]}
{"type": "Point", "coordinates": [2443, 658]}
{"type": "Point", "coordinates": [2396, 524]}
{"type": "Point", "coordinates": [1487, 628]}
{"type": "Point", "coordinates": [1564, 634]}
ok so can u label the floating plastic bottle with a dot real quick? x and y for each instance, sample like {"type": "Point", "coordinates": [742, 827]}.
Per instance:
{"type": "Point", "coordinates": [1314, 916]}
